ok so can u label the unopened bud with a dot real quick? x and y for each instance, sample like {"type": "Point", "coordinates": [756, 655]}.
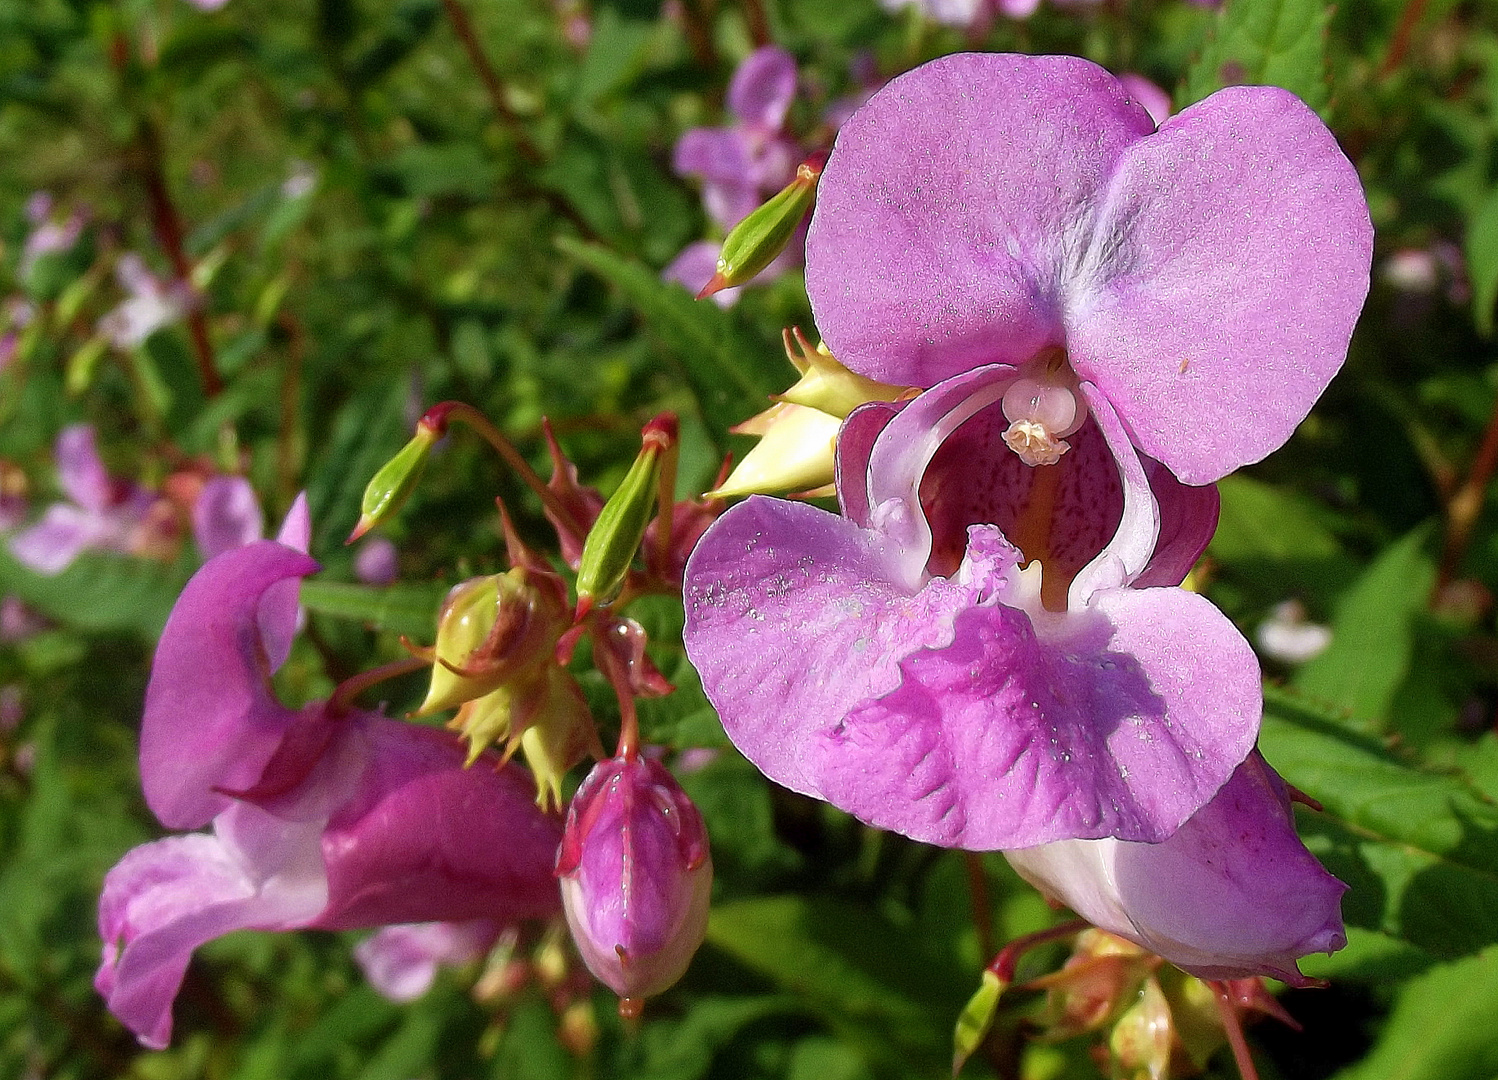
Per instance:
{"type": "Point", "coordinates": [754, 243]}
{"type": "Point", "coordinates": [558, 734]}
{"type": "Point", "coordinates": [616, 535]}
{"type": "Point", "coordinates": [975, 1019]}
{"type": "Point", "coordinates": [1141, 1041]}
{"type": "Point", "coordinates": [492, 632]}
{"type": "Point", "coordinates": [636, 876]}
{"type": "Point", "coordinates": [389, 489]}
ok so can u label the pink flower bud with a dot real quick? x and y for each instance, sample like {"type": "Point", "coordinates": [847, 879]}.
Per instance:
{"type": "Point", "coordinates": [636, 876]}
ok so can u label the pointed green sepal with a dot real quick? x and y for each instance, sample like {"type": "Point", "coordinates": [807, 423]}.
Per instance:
{"type": "Point", "coordinates": [754, 243]}
{"type": "Point", "coordinates": [388, 491]}
{"type": "Point", "coordinates": [976, 1018]}
{"type": "Point", "coordinates": [615, 537]}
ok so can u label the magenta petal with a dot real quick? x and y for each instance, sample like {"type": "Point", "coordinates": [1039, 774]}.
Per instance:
{"type": "Point", "coordinates": [401, 961]}
{"type": "Point", "coordinates": [425, 839]}
{"type": "Point", "coordinates": [1225, 277]}
{"type": "Point", "coordinates": [1117, 721]}
{"type": "Point", "coordinates": [80, 470]}
{"type": "Point", "coordinates": [280, 615]}
{"type": "Point", "coordinates": [794, 617]}
{"type": "Point", "coordinates": [226, 515]}
{"type": "Point", "coordinates": [762, 87]}
{"type": "Point", "coordinates": [64, 532]}
{"type": "Point", "coordinates": [1233, 893]}
{"type": "Point", "coordinates": [855, 442]}
{"type": "Point", "coordinates": [948, 254]}
{"type": "Point", "coordinates": [720, 154]}
{"type": "Point", "coordinates": [1188, 518]}
{"type": "Point", "coordinates": [166, 898]}
{"type": "Point", "coordinates": [211, 720]}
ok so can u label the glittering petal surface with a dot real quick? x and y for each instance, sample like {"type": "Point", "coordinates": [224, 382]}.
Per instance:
{"type": "Point", "coordinates": [199, 732]}
{"type": "Point", "coordinates": [424, 839]}
{"type": "Point", "coordinates": [1220, 287]}
{"type": "Point", "coordinates": [950, 253]}
{"type": "Point", "coordinates": [1117, 721]}
{"type": "Point", "coordinates": [1233, 893]}
{"type": "Point", "coordinates": [762, 87]}
{"type": "Point", "coordinates": [793, 619]}
{"type": "Point", "coordinates": [164, 899]}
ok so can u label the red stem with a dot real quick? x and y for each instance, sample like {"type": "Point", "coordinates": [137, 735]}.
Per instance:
{"type": "Point", "coordinates": [1234, 1029]}
{"type": "Point", "coordinates": [463, 26]}
{"type": "Point", "coordinates": [1465, 505]}
{"type": "Point", "coordinates": [1007, 960]}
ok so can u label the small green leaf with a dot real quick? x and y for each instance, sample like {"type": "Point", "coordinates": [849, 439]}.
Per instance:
{"type": "Point", "coordinates": [1441, 1027]}
{"type": "Point", "coordinates": [731, 372]}
{"type": "Point", "coordinates": [1482, 262]}
{"type": "Point", "coordinates": [1264, 42]}
{"type": "Point", "coordinates": [406, 608]}
{"type": "Point", "coordinates": [1373, 634]}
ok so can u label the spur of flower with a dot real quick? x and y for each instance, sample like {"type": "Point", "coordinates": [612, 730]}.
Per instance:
{"type": "Point", "coordinates": [986, 649]}
{"type": "Point", "coordinates": [327, 816]}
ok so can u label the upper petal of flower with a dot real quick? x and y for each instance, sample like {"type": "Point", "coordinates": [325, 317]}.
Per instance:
{"type": "Point", "coordinates": [951, 205]}
{"type": "Point", "coordinates": [226, 515]}
{"type": "Point", "coordinates": [401, 961]}
{"type": "Point", "coordinates": [1233, 893]}
{"type": "Point", "coordinates": [1222, 281]}
{"type": "Point", "coordinates": [762, 87]}
{"type": "Point", "coordinates": [80, 470]}
{"type": "Point", "coordinates": [212, 722]}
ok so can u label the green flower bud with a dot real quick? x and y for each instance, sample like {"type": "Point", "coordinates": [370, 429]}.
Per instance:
{"type": "Point", "coordinates": [388, 491]}
{"type": "Point", "coordinates": [975, 1019]}
{"type": "Point", "coordinates": [753, 243]}
{"type": "Point", "coordinates": [616, 535]}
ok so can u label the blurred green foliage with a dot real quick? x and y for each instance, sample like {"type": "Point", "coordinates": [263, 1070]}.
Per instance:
{"type": "Point", "coordinates": [372, 231]}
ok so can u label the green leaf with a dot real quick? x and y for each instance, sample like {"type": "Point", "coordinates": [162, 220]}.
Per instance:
{"type": "Point", "coordinates": [100, 591]}
{"type": "Point", "coordinates": [1264, 42]}
{"type": "Point", "coordinates": [407, 608]}
{"type": "Point", "coordinates": [1419, 849]}
{"type": "Point", "coordinates": [1441, 1027]}
{"type": "Point", "coordinates": [850, 966]}
{"type": "Point", "coordinates": [1373, 633]}
{"type": "Point", "coordinates": [1482, 263]}
{"type": "Point", "coordinates": [731, 372]}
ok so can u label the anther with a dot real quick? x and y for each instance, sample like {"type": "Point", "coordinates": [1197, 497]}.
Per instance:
{"type": "Point", "coordinates": [1041, 414]}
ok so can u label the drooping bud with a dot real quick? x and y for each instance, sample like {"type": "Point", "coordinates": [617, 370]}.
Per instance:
{"type": "Point", "coordinates": [491, 632]}
{"type": "Point", "coordinates": [392, 485]}
{"type": "Point", "coordinates": [557, 735]}
{"type": "Point", "coordinates": [636, 876]}
{"type": "Point", "coordinates": [976, 1018]}
{"type": "Point", "coordinates": [755, 242]}
{"type": "Point", "coordinates": [616, 535]}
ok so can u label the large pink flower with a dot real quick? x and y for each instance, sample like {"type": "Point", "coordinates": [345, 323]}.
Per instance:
{"type": "Point", "coordinates": [321, 817]}
{"type": "Point", "coordinates": [1104, 314]}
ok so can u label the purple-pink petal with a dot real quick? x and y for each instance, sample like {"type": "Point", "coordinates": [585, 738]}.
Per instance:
{"type": "Point", "coordinates": [1223, 279]}
{"type": "Point", "coordinates": [226, 515]}
{"type": "Point", "coordinates": [1120, 720]}
{"type": "Point", "coordinates": [763, 87]}
{"type": "Point", "coordinates": [401, 961]}
{"type": "Point", "coordinates": [80, 471]}
{"type": "Point", "coordinates": [64, 532]}
{"type": "Point", "coordinates": [951, 205]}
{"type": "Point", "coordinates": [1233, 893]}
{"type": "Point", "coordinates": [204, 734]}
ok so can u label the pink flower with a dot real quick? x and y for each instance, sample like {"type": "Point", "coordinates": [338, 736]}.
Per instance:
{"type": "Point", "coordinates": [401, 961]}
{"type": "Point", "coordinates": [326, 817]}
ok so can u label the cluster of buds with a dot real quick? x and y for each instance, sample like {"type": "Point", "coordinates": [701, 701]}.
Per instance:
{"type": "Point", "coordinates": [1151, 1020]}
{"type": "Point", "coordinates": [634, 865]}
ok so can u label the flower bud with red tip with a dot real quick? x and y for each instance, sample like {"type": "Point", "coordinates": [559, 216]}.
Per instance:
{"type": "Point", "coordinates": [636, 876]}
